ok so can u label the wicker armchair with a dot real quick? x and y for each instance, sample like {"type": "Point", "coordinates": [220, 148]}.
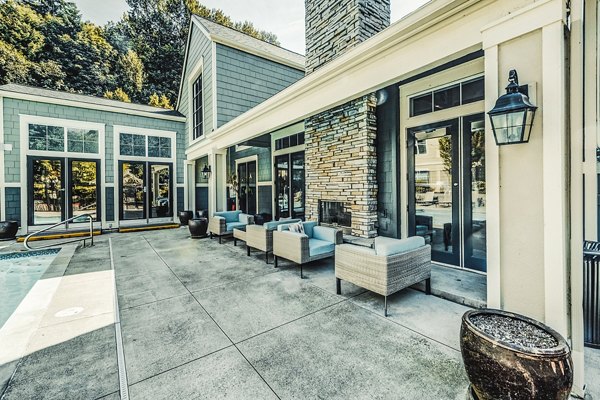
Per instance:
{"type": "Point", "coordinates": [315, 243]}
{"type": "Point", "coordinates": [222, 223]}
{"type": "Point", "coordinates": [260, 237]}
{"type": "Point", "coordinates": [391, 266]}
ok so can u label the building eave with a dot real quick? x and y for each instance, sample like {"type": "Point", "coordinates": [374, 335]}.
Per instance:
{"type": "Point", "coordinates": [336, 77]}
{"type": "Point", "coordinates": [89, 106]}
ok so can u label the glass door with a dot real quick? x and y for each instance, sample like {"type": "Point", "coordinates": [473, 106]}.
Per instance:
{"type": "Point", "coordinates": [433, 205]}
{"type": "Point", "coordinates": [446, 190]}
{"type": "Point", "coordinates": [160, 195]}
{"type": "Point", "coordinates": [146, 190]}
{"type": "Point", "coordinates": [46, 190]}
{"type": "Point", "coordinates": [84, 182]}
{"type": "Point", "coordinates": [133, 190]}
{"type": "Point", "coordinates": [474, 192]}
{"type": "Point", "coordinates": [282, 181]}
{"type": "Point", "coordinates": [57, 193]}
{"type": "Point", "coordinates": [289, 185]}
{"type": "Point", "coordinates": [247, 187]}
{"type": "Point", "coordinates": [297, 186]}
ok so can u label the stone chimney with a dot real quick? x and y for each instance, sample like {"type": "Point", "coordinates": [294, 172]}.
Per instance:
{"type": "Point", "coordinates": [334, 26]}
{"type": "Point", "coordinates": [341, 154]}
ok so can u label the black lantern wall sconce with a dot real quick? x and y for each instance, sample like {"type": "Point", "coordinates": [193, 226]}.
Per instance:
{"type": "Point", "coordinates": [512, 116]}
{"type": "Point", "coordinates": [206, 171]}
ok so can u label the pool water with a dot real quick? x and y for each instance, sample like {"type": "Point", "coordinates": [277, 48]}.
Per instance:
{"type": "Point", "coordinates": [18, 273]}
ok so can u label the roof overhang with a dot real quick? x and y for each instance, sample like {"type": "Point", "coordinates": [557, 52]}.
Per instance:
{"type": "Point", "coordinates": [434, 34]}
{"type": "Point", "coordinates": [89, 106]}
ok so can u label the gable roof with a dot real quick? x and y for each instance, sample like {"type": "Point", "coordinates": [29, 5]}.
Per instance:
{"type": "Point", "coordinates": [12, 90]}
{"type": "Point", "coordinates": [231, 37]}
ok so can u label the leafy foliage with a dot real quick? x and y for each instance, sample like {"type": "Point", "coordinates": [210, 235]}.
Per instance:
{"type": "Point", "coordinates": [138, 58]}
{"type": "Point", "coordinates": [118, 94]}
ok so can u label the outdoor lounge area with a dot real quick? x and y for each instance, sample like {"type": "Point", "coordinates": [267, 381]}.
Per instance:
{"type": "Point", "coordinates": [203, 320]}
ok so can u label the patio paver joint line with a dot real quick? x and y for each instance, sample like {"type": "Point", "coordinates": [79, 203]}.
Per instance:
{"type": "Point", "coordinates": [122, 370]}
{"type": "Point", "coordinates": [210, 316]}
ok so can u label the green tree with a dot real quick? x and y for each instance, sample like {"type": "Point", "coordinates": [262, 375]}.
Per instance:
{"type": "Point", "coordinates": [160, 101]}
{"type": "Point", "coordinates": [118, 94]}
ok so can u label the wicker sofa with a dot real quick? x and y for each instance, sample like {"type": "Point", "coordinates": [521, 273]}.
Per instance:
{"type": "Point", "coordinates": [260, 237]}
{"type": "Point", "coordinates": [223, 222]}
{"type": "Point", "coordinates": [392, 265]}
{"type": "Point", "coordinates": [315, 243]}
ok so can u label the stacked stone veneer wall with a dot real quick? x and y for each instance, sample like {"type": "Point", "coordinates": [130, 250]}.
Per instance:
{"type": "Point", "coordinates": [341, 154]}
{"type": "Point", "coordinates": [334, 26]}
{"type": "Point", "coordinates": [341, 162]}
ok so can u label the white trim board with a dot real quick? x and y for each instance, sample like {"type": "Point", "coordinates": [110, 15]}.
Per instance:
{"type": "Point", "coordinates": [89, 106]}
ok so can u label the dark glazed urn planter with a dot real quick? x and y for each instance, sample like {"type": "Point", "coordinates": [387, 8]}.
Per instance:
{"type": "Point", "coordinates": [185, 216]}
{"type": "Point", "coordinates": [198, 227]}
{"type": "Point", "coordinates": [510, 356]}
{"type": "Point", "coordinates": [8, 230]}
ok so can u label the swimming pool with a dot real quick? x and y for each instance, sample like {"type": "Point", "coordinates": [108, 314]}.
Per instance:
{"type": "Point", "coordinates": [18, 273]}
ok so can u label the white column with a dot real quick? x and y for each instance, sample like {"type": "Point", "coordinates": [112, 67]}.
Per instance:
{"type": "Point", "coordinates": [492, 178]}
{"type": "Point", "coordinates": [555, 178]}
{"type": "Point", "coordinates": [212, 183]}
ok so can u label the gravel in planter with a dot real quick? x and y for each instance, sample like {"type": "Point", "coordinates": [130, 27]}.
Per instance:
{"type": "Point", "coordinates": [514, 331]}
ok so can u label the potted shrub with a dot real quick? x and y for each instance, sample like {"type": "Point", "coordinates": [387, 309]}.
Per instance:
{"type": "Point", "coordinates": [510, 356]}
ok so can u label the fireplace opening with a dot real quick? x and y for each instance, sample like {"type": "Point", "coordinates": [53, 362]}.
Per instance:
{"type": "Point", "coordinates": [334, 213]}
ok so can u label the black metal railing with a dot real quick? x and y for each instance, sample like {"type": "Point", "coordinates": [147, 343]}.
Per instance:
{"type": "Point", "coordinates": [591, 294]}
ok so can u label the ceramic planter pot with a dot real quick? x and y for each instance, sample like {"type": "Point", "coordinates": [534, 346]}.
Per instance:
{"type": "Point", "coordinates": [198, 227]}
{"type": "Point", "coordinates": [185, 216]}
{"type": "Point", "coordinates": [510, 356]}
{"type": "Point", "coordinates": [8, 230]}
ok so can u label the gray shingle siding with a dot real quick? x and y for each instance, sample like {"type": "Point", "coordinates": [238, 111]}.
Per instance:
{"type": "Point", "coordinates": [13, 204]}
{"type": "Point", "coordinates": [200, 50]}
{"type": "Point", "coordinates": [245, 80]}
{"type": "Point", "coordinates": [14, 107]}
{"type": "Point", "coordinates": [110, 203]}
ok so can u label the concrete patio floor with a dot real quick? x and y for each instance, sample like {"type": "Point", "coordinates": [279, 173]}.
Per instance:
{"type": "Point", "coordinates": [203, 320]}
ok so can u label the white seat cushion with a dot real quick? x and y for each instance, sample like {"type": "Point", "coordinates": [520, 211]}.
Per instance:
{"type": "Point", "coordinates": [385, 246]}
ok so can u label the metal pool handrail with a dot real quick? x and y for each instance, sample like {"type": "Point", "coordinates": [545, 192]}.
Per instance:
{"type": "Point", "coordinates": [91, 236]}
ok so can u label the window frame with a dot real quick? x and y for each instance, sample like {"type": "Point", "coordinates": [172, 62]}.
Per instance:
{"type": "Point", "coordinates": [197, 107]}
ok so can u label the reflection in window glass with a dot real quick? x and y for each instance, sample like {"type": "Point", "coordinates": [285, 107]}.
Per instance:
{"type": "Point", "coordinates": [132, 145]}
{"type": "Point", "coordinates": [446, 98]}
{"type": "Point", "coordinates": [159, 146]}
{"type": "Point", "coordinates": [82, 140]}
{"type": "Point", "coordinates": [43, 137]}
{"type": "Point", "coordinates": [473, 91]}
{"type": "Point", "coordinates": [421, 105]}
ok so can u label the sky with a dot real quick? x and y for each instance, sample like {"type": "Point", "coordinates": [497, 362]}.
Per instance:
{"type": "Point", "coordinates": [285, 18]}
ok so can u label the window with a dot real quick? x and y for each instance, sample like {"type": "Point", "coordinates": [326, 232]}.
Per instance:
{"type": "Point", "coordinates": [159, 146]}
{"type": "Point", "coordinates": [289, 141]}
{"type": "Point", "coordinates": [473, 91]}
{"type": "Point", "coordinates": [132, 145]}
{"type": "Point", "coordinates": [50, 138]}
{"type": "Point", "coordinates": [197, 112]}
{"type": "Point", "coordinates": [422, 177]}
{"type": "Point", "coordinates": [421, 147]}
{"type": "Point", "coordinates": [82, 140]}
{"type": "Point", "coordinates": [453, 96]}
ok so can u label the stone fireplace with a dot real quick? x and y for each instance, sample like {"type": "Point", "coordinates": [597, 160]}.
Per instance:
{"type": "Point", "coordinates": [341, 154]}
{"type": "Point", "coordinates": [336, 214]}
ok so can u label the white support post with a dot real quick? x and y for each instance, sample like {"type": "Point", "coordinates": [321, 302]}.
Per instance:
{"type": "Point", "coordinates": [555, 183]}
{"type": "Point", "coordinates": [492, 177]}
